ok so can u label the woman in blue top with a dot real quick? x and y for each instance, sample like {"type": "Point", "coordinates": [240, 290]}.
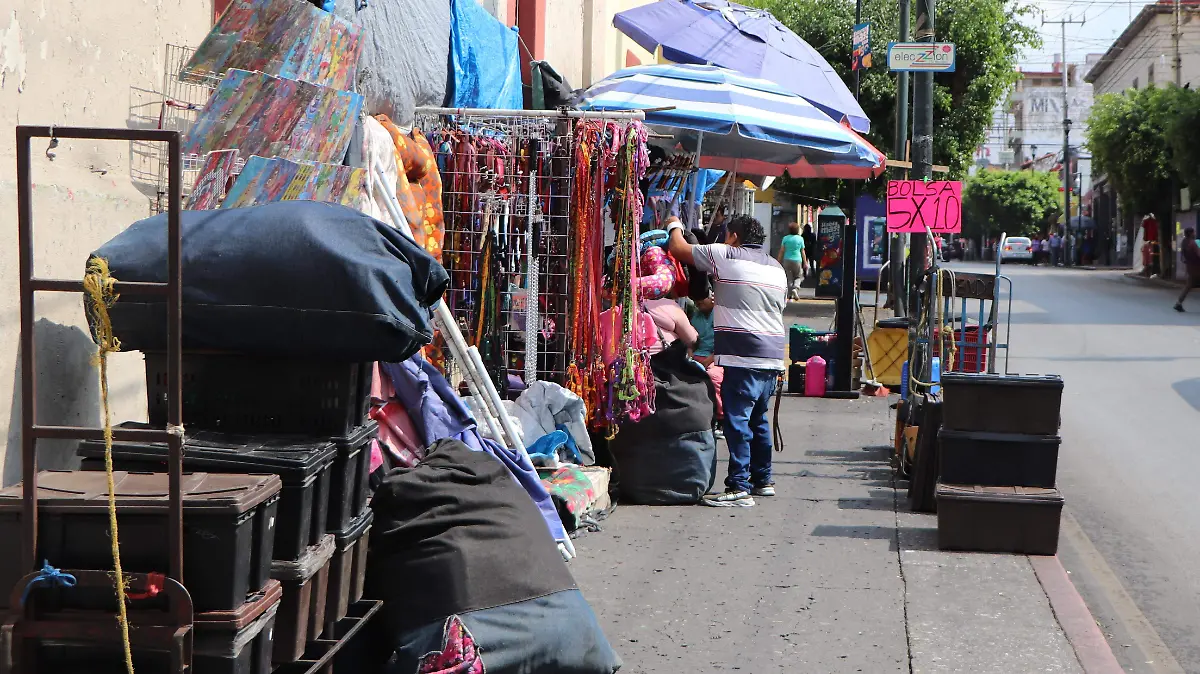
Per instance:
{"type": "Point", "coordinates": [793, 257]}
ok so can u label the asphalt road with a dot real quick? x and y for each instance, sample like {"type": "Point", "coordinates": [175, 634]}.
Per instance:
{"type": "Point", "coordinates": [1129, 466]}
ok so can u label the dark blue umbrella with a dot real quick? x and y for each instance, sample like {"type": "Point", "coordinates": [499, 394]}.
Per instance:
{"type": "Point", "coordinates": [750, 41]}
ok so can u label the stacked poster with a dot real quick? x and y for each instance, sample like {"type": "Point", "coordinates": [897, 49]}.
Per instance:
{"type": "Point", "coordinates": [265, 180]}
{"type": "Point", "coordinates": [259, 114]}
{"type": "Point", "coordinates": [287, 38]}
{"type": "Point", "coordinates": [214, 177]}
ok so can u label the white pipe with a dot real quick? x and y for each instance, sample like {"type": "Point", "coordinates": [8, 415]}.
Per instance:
{"type": "Point", "coordinates": [552, 114]}
{"type": "Point", "coordinates": [490, 393]}
{"type": "Point", "coordinates": [444, 319]}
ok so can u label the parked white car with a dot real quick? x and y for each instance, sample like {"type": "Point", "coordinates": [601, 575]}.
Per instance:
{"type": "Point", "coordinates": [1017, 248]}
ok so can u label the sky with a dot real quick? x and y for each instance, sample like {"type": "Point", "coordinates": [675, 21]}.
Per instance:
{"type": "Point", "coordinates": [1105, 19]}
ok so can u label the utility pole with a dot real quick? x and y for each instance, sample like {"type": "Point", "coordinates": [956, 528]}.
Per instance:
{"type": "Point", "coordinates": [922, 160]}
{"type": "Point", "coordinates": [896, 253]}
{"type": "Point", "coordinates": [1175, 40]}
{"type": "Point", "coordinates": [847, 303]}
{"type": "Point", "coordinates": [1068, 249]}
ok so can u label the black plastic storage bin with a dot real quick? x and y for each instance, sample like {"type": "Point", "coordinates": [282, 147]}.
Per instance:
{"type": "Point", "coordinates": [227, 521]}
{"type": "Point", "coordinates": [302, 463]}
{"type": "Point", "coordinates": [224, 642]}
{"type": "Point", "coordinates": [348, 570]}
{"type": "Point", "coordinates": [350, 477]}
{"type": "Point", "coordinates": [1022, 520]}
{"type": "Point", "coordinates": [998, 459]}
{"type": "Point", "coordinates": [302, 611]}
{"type": "Point", "coordinates": [235, 393]}
{"type": "Point", "coordinates": [993, 403]}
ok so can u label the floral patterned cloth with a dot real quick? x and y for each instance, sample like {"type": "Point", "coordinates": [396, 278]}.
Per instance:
{"type": "Point", "coordinates": [572, 492]}
{"type": "Point", "coordinates": [418, 187]}
{"type": "Point", "coordinates": [459, 655]}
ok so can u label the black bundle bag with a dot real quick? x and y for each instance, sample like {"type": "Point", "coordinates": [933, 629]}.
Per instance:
{"type": "Point", "coordinates": [470, 577]}
{"type": "Point", "coordinates": [290, 278]}
{"type": "Point", "coordinates": [670, 457]}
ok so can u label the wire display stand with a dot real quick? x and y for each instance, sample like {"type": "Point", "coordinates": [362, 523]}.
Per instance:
{"type": "Point", "coordinates": [509, 173]}
{"type": "Point", "coordinates": [181, 104]}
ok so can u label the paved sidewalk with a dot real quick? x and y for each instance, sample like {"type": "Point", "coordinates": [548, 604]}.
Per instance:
{"type": "Point", "coordinates": [833, 575]}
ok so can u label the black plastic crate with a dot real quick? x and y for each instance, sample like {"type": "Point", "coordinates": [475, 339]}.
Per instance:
{"type": "Point", "coordinates": [804, 344]}
{"type": "Point", "coordinates": [348, 570]}
{"type": "Point", "coordinates": [1022, 520]}
{"type": "Point", "coordinates": [303, 464]}
{"type": "Point", "coordinates": [227, 522]}
{"type": "Point", "coordinates": [998, 459]}
{"type": "Point", "coordinates": [993, 403]}
{"type": "Point", "coordinates": [349, 479]}
{"type": "Point", "coordinates": [234, 393]}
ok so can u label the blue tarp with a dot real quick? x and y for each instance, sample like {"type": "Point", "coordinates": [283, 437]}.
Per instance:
{"type": "Point", "coordinates": [485, 63]}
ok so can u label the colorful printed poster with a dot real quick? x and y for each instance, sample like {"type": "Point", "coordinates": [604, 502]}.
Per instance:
{"type": "Point", "coordinates": [263, 115]}
{"type": "Point", "coordinates": [267, 180]}
{"type": "Point", "coordinates": [861, 47]}
{"type": "Point", "coordinates": [214, 177]}
{"type": "Point", "coordinates": [287, 38]}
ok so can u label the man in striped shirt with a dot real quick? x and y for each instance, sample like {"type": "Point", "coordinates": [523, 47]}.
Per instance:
{"type": "Point", "coordinates": [750, 289]}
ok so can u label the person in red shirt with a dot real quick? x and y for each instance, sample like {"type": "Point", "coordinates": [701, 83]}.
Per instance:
{"type": "Point", "coordinates": [1191, 258]}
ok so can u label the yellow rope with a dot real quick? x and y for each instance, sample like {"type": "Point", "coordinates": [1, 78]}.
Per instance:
{"type": "Point", "coordinates": [98, 287]}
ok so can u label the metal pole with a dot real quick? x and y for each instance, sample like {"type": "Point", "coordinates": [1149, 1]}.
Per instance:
{"type": "Point", "coordinates": [896, 252]}
{"type": "Point", "coordinates": [922, 149]}
{"type": "Point", "coordinates": [1067, 238]}
{"type": "Point", "coordinates": [28, 368]}
{"type": "Point", "coordinates": [843, 373]}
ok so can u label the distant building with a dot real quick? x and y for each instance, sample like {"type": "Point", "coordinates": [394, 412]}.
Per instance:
{"type": "Point", "coordinates": [1036, 107]}
{"type": "Point", "coordinates": [1144, 53]}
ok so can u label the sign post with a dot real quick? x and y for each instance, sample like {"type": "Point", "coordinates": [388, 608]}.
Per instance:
{"type": "Point", "coordinates": [921, 57]}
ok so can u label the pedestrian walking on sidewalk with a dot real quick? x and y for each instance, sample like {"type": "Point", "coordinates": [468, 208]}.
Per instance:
{"type": "Point", "coordinates": [1056, 245]}
{"type": "Point", "coordinates": [750, 289]}
{"type": "Point", "coordinates": [792, 257]}
{"type": "Point", "coordinates": [1191, 259]}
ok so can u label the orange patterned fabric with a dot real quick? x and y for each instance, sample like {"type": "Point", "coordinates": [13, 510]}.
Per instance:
{"type": "Point", "coordinates": [418, 187]}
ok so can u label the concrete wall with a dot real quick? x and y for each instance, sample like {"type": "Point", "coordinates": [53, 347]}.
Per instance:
{"type": "Point", "coordinates": [78, 63]}
{"type": "Point", "coordinates": [581, 43]}
{"type": "Point", "coordinates": [1153, 47]}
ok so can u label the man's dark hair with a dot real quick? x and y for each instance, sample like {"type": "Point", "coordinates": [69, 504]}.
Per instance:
{"type": "Point", "coordinates": [750, 231]}
{"type": "Point", "coordinates": [1189, 231]}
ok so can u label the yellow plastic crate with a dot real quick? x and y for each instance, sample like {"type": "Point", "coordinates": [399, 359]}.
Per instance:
{"type": "Point", "coordinates": [889, 350]}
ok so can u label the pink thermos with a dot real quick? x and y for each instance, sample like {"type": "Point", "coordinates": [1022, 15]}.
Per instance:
{"type": "Point", "coordinates": [814, 377]}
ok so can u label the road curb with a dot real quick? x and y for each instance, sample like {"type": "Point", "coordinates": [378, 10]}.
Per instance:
{"type": "Point", "coordinates": [1092, 649]}
{"type": "Point", "coordinates": [1161, 283]}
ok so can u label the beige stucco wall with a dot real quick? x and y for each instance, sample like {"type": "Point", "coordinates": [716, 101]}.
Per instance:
{"type": "Point", "coordinates": [581, 42]}
{"type": "Point", "coordinates": [77, 63]}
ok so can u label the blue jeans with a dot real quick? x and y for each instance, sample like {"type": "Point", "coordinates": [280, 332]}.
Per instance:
{"type": "Point", "coordinates": [747, 397]}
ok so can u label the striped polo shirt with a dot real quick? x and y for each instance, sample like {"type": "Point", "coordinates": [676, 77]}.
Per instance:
{"type": "Point", "coordinates": [750, 289]}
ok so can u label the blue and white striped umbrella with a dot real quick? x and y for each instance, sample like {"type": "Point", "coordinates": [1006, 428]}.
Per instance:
{"type": "Point", "coordinates": [740, 117]}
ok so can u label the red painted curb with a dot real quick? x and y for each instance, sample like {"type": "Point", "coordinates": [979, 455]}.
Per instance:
{"type": "Point", "coordinates": [1092, 649]}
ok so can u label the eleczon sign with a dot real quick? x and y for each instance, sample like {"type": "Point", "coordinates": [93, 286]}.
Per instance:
{"type": "Point", "coordinates": [918, 56]}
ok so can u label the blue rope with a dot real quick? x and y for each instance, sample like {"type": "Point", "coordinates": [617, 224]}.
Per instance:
{"type": "Point", "coordinates": [50, 577]}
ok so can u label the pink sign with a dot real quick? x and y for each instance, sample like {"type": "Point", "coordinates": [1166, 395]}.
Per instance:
{"type": "Point", "coordinates": [913, 205]}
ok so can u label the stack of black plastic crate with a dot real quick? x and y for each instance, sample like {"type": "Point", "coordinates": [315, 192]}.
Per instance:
{"type": "Point", "coordinates": [998, 462]}
{"type": "Point", "coordinates": [305, 421]}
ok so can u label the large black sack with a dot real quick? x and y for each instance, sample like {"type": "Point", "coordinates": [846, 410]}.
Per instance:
{"type": "Point", "coordinates": [670, 457]}
{"type": "Point", "coordinates": [465, 566]}
{"type": "Point", "coordinates": [290, 278]}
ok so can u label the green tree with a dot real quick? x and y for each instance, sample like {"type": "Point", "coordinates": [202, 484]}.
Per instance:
{"type": "Point", "coordinates": [1183, 122]}
{"type": "Point", "coordinates": [989, 35]}
{"type": "Point", "coordinates": [1129, 135]}
{"type": "Point", "coordinates": [1020, 203]}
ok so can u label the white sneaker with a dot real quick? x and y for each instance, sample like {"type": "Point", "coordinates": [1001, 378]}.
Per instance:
{"type": "Point", "coordinates": [765, 490]}
{"type": "Point", "coordinates": [729, 499]}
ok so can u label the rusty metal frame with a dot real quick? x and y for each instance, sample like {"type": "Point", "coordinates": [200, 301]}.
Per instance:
{"type": "Point", "coordinates": [167, 628]}
{"type": "Point", "coordinates": [31, 432]}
